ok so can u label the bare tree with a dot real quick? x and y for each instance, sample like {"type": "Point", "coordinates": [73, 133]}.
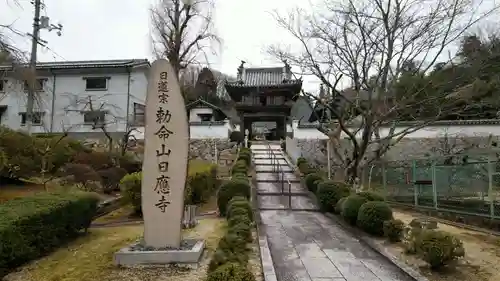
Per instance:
{"type": "Point", "coordinates": [100, 114]}
{"type": "Point", "coordinates": [370, 44]}
{"type": "Point", "coordinates": [182, 33]}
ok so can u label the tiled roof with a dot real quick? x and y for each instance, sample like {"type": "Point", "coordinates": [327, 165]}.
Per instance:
{"type": "Point", "coordinates": [263, 76]}
{"type": "Point", "coordinates": [86, 64]}
{"type": "Point", "coordinates": [204, 104]}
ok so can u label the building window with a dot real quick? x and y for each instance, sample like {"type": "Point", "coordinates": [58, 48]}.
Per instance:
{"type": "Point", "coordinates": [205, 117]}
{"type": "Point", "coordinates": [96, 83]}
{"type": "Point", "coordinates": [39, 84]}
{"type": "Point", "coordinates": [139, 113]}
{"type": "Point", "coordinates": [94, 117]}
{"type": "Point", "coordinates": [36, 119]}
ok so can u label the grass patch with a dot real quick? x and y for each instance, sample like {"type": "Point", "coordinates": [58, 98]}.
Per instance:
{"type": "Point", "coordinates": [9, 192]}
{"type": "Point", "coordinates": [119, 214]}
{"type": "Point", "coordinates": [209, 206]}
{"type": "Point", "coordinates": [90, 257]}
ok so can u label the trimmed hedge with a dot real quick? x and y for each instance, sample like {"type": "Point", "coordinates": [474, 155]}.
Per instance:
{"type": "Point", "coordinates": [311, 181]}
{"type": "Point", "coordinates": [239, 205]}
{"type": "Point", "coordinates": [351, 206]}
{"type": "Point", "coordinates": [231, 272]}
{"type": "Point", "coordinates": [232, 188]}
{"type": "Point", "coordinates": [131, 191]}
{"type": "Point", "coordinates": [329, 193]}
{"type": "Point", "coordinates": [371, 196]}
{"type": "Point", "coordinates": [230, 259]}
{"type": "Point", "coordinates": [372, 215]}
{"type": "Point", "coordinates": [201, 182]}
{"type": "Point", "coordinates": [30, 227]}
{"type": "Point", "coordinates": [340, 205]}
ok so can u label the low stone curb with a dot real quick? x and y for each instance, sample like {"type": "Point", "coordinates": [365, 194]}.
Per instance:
{"type": "Point", "coordinates": [365, 238]}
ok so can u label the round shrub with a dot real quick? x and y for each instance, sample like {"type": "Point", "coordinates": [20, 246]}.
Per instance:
{"type": "Point", "coordinates": [393, 230]}
{"type": "Point", "coordinates": [439, 248]}
{"type": "Point", "coordinates": [351, 207]}
{"type": "Point", "coordinates": [233, 243]}
{"type": "Point", "coordinates": [239, 202]}
{"type": "Point", "coordinates": [305, 169]}
{"type": "Point", "coordinates": [232, 188]}
{"type": "Point", "coordinates": [310, 181]}
{"type": "Point", "coordinates": [339, 205]}
{"type": "Point", "coordinates": [110, 178]}
{"type": "Point", "coordinates": [130, 186]}
{"type": "Point", "coordinates": [301, 160]}
{"type": "Point", "coordinates": [240, 176]}
{"type": "Point", "coordinates": [371, 196]}
{"type": "Point", "coordinates": [221, 257]}
{"type": "Point", "coordinates": [245, 157]}
{"type": "Point", "coordinates": [231, 272]}
{"type": "Point", "coordinates": [329, 193]}
{"type": "Point", "coordinates": [243, 230]}
{"type": "Point", "coordinates": [371, 217]}
{"type": "Point", "coordinates": [234, 220]}
{"type": "Point", "coordinates": [239, 211]}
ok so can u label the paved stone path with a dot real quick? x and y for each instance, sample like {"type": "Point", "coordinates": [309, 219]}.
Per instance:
{"type": "Point", "coordinates": [308, 246]}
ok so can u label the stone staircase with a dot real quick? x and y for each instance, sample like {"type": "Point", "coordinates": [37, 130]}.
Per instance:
{"type": "Point", "coordinates": [278, 188]}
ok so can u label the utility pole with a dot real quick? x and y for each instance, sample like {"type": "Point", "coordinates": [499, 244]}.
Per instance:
{"type": "Point", "coordinates": [39, 23]}
{"type": "Point", "coordinates": [32, 79]}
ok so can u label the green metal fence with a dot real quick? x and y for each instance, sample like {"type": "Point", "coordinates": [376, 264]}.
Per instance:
{"type": "Point", "coordinates": [459, 183]}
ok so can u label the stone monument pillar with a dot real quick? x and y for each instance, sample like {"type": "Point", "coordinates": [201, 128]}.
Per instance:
{"type": "Point", "coordinates": [165, 163]}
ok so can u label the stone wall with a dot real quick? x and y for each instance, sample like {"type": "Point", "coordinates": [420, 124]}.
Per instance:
{"type": "Point", "coordinates": [402, 153]}
{"type": "Point", "coordinates": [203, 149]}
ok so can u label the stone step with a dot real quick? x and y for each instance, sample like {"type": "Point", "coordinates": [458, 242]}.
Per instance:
{"type": "Point", "coordinates": [275, 188]}
{"type": "Point", "coordinates": [299, 203]}
{"type": "Point", "coordinates": [276, 177]}
{"type": "Point", "coordinates": [270, 162]}
{"type": "Point", "coordinates": [270, 168]}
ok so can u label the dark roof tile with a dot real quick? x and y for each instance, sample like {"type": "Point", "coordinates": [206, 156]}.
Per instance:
{"type": "Point", "coordinates": [263, 76]}
{"type": "Point", "coordinates": [85, 64]}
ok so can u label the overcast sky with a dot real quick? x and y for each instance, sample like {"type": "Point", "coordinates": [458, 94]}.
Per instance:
{"type": "Point", "coordinates": [119, 29]}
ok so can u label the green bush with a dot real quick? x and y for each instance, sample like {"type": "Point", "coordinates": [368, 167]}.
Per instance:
{"type": "Point", "coordinates": [305, 169]}
{"type": "Point", "coordinates": [371, 217]}
{"type": "Point", "coordinates": [236, 204]}
{"type": "Point", "coordinates": [32, 226]}
{"type": "Point", "coordinates": [439, 248]}
{"type": "Point", "coordinates": [221, 257]}
{"type": "Point", "coordinates": [24, 154]}
{"type": "Point", "coordinates": [311, 181]}
{"type": "Point", "coordinates": [371, 196]}
{"type": "Point", "coordinates": [245, 157]}
{"type": "Point", "coordinates": [232, 188]}
{"type": "Point", "coordinates": [340, 205]}
{"type": "Point", "coordinates": [233, 243]}
{"type": "Point", "coordinates": [301, 160]}
{"type": "Point", "coordinates": [201, 182]}
{"type": "Point", "coordinates": [351, 207]}
{"type": "Point", "coordinates": [243, 230]}
{"type": "Point", "coordinates": [130, 186]}
{"type": "Point", "coordinates": [110, 178]}
{"type": "Point", "coordinates": [234, 220]}
{"type": "Point", "coordinates": [240, 176]}
{"type": "Point", "coordinates": [240, 167]}
{"type": "Point", "coordinates": [393, 230]}
{"type": "Point", "coordinates": [81, 175]}
{"type": "Point", "coordinates": [329, 193]}
{"type": "Point", "coordinates": [98, 160]}
{"type": "Point", "coordinates": [231, 272]}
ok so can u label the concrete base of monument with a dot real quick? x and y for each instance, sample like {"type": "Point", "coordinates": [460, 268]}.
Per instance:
{"type": "Point", "coordinates": [138, 255]}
